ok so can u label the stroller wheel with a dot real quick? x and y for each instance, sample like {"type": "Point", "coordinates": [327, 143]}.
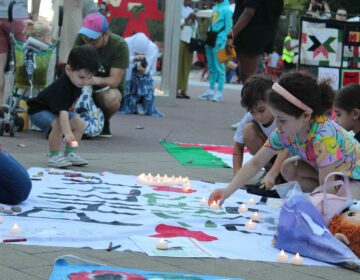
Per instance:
{"type": "Point", "coordinates": [2, 127]}
{"type": "Point", "coordinates": [12, 128]}
{"type": "Point", "coordinates": [6, 127]}
{"type": "Point", "coordinates": [19, 123]}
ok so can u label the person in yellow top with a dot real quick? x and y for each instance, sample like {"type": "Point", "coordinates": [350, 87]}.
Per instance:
{"type": "Point", "coordinates": [288, 53]}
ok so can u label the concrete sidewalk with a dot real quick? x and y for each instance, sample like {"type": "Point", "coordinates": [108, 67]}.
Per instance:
{"type": "Point", "coordinates": [131, 151]}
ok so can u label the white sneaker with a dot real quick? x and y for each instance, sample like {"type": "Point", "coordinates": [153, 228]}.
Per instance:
{"type": "Point", "coordinates": [76, 160]}
{"type": "Point", "coordinates": [139, 109]}
{"type": "Point", "coordinates": [218, 97]}
{"type": "Point", "coordinates": [207, 95]}
{"type": "Point", "coordinates": [58, 160]}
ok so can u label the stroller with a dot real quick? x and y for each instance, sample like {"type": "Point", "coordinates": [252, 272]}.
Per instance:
{"type": "Point", "coordinates": [33, 67]}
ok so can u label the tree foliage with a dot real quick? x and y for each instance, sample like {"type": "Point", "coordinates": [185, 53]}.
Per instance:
{"type": "Point", "coordinates": [352, 6]}
{"type": "Point", "coordinates": [296, 4]}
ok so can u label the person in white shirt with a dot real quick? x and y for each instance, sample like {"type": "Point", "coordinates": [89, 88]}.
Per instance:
{"type": "Point", "coordinates": [139, 93]}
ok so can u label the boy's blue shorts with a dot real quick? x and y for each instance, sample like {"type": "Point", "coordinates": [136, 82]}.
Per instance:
{"type": "Point", "coordinates": [44, 119]}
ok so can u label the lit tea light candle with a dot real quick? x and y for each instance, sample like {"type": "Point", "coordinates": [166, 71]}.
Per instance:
{"type": "Point", "coordinates": [282, 257]}
{"type": "Point", "coordinates": [297, 259]}
{"type": "Point", "coordinates": [255, 217]}
{"type": "Point", "coordinates": [162, 244]}
{"type": "Point", "coordinates": [203, 202]}
{"type": "Point", "coordinates": [242, 208]}
{"type": "Point", "coordinates": [250, 224]}
{"type": "Point", "coordinates": [186, 187]}
{"type": "Point", "coordinates": [74, 144]}
{"type": "Point", "coordinates": [214, 205]}
{"type": "Point", "coordinates": [15, 229]}
{"type": "Point", "coordinates": [251, 201]}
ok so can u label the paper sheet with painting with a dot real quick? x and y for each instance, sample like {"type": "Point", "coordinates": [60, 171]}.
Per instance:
{"type": "Point", "coordinates": [78, 209]}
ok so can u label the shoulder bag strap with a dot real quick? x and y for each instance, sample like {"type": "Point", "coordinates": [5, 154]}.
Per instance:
{"type": "Point", "coordinates": [335, 183]}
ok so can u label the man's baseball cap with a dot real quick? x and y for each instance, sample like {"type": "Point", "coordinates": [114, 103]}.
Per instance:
{"type": "Point", "coordinates": [94, 25]}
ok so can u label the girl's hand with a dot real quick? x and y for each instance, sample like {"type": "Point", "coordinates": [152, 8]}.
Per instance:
{"type": "Point", "coordinates": [268, 182]}
{"type": "Point", "coordinates": [219, 196]}
{"type": "Point", "coordinates": [69, 138]}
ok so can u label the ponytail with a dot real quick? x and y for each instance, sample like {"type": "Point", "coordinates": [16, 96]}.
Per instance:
{"type": "Point", "coordinates": [327, 96]}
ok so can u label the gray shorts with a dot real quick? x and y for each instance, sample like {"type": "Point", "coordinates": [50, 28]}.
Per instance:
{"type": "Point", "coordinates": [44, 119]}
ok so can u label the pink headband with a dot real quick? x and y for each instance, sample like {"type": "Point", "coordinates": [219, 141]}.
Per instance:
{"type": "Point", "coordinates": [291, 98]}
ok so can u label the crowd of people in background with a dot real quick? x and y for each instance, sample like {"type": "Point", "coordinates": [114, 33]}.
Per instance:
{"type": "Point", "coordinates": [264, 62]}
{"type": "Point", "coordinates": [119, 72]}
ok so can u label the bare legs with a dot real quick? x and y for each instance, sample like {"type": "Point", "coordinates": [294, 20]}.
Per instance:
{"type": "Point", "coordinates": [109, 102]}
{"type": "Point", "coordinates": [295, 169]}
{"type": "Point", "coordinates": [248, 65]}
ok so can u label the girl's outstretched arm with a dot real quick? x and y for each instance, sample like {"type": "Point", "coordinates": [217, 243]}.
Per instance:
{"type": "Point", "coordinates": [244, 175]}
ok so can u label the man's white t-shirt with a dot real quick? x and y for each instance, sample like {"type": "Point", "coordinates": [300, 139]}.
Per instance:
{"type": "Point", "coordinates": [239, 135]}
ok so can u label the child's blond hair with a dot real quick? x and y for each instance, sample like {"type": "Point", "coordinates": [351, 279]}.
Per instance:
{"type": "Point", "coordinates": [39, 30]}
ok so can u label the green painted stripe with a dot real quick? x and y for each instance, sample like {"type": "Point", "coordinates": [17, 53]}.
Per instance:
{"type": "Point", "coordinates": [193, 156]}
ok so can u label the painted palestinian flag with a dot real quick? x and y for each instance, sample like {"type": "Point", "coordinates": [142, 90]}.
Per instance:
{"type": "Point", "coordinates": [216, 156]}
{"type": "Point", "coordinates": [320, 45]}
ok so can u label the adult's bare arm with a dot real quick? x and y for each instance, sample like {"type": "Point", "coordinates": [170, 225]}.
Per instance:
{"type": "Point", "coordinates": [113, 81]}
{"type": "Point", "coordinates": [243, 20]}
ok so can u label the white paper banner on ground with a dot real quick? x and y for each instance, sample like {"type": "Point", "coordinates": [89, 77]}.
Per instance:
{"type": "Point", "coordinates": [68, 210]}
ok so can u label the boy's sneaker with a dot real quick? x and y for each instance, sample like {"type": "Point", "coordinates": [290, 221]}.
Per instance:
{"type": "Point", "coordinates": [76, 160]}
{"type": "Point", "coordinates": [207, 95]}
{"type": "Point", "coordinates": [106, 130]}
{"type": "Point", "coordinates": [58, 160]}
{"type": "Point", "coordinates": [218, 97]}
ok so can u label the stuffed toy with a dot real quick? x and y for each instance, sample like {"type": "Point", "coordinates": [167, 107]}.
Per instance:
{"type": "Point", "coordinates": [346, 227]}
